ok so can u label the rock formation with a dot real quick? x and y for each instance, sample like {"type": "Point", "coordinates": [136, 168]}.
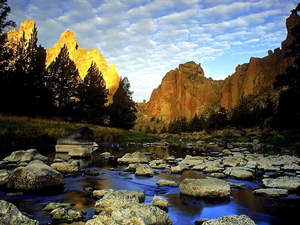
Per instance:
{"type": "Point", "coordinates": [185, 91]}
{"type": "Point", "coordinates": [82, 57]}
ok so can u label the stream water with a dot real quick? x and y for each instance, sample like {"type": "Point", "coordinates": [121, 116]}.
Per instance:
{"type": "Point", "coordinates": [182, 210]}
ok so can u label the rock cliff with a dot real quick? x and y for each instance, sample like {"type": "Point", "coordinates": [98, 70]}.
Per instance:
{"type": "Point", "coordinates": [82, 57]}
{"type": "Point", "coordinates": [185, 91]}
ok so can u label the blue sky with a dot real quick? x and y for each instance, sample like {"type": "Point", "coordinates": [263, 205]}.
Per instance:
{"type": "Point", "coordinates": [145, 39]}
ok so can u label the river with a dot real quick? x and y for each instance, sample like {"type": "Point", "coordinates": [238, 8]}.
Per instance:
{"type": "Point", "coordinates": [182, 210]}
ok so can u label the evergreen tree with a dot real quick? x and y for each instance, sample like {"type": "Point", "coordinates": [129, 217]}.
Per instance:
{"type": "Point", "coordinates": [4, 11]}
{"type": "Point", "coordinates": [6, 55]}
{"type": "Point", "coordinates": [92, 94]}
{"type": "Point", "coordinates": [63, 80]}
{"type": "Point", "coordinates": [123, 110]}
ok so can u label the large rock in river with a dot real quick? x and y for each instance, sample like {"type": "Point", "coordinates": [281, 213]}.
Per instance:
{"type": "Point", "coordinates": [79, 143]}
{"type": "Point", "coordinates": [25, 156]}
{"type": "Point", "coordinates": [208, 187]}
{"type": "Point", "coordinates": [10, 215]}
{"type": "Point", "coordinates": [35, 176]}
{"type": "Point", "coordinates": [231, 220]}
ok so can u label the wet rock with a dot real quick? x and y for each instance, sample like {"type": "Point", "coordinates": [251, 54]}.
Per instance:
{"type": "Point", "coordinates": [35, 176]}
{"type": "Point", "coordinates": [4, 175]}
{"type": "Point", "coordinates": [106, 155]}
{"type": "Point", "coordinates": [54, 205]}
{"type": "Point", "coordinates": [25, 156]}
{"type": "Point", "coordinates": [160, 202]}
{"type": "Point", "coordinates": [136, 157]}
{"type": "Point", "coordinates": [291, 167]}
{"type": "Point", "coordinates": [132, 213]}
{"type": "Point", "coordinates": [208, 187]}
{"type": "Point", "coordinates": [164, 182]}
{"type": "Point", "coordinates": [67, 215]}
{"type": "Point", "coordinates": [231, 220]}
{"type": "Point", "coordinates": [271, 192]}
{"type": "Point", "coordinates": [193, 160]}
{"type": "Point", "coordinates": [79, 143]}
{"type": "Point", "coordinates": [66, 167]}
{"type": "Point", "coordinates": [10, 215]}
{"type": "Point", "coordinates": [158, 164]}
{"type": "Point", "coordinates": [289, 183]}
{"type": "Point", "coordinates": [144, 170]}
{"type": "Point", "coordinates": [100, 193]}
{"type": "Point", "coordinates": [91, 172]}
{"type": "Point", "coordinates": [239, 173]}
{"type": "Point", "coordinates": [116, 198]}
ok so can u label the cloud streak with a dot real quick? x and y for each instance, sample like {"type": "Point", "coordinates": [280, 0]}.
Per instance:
{"type": "Point", "coordinates": [146, 39]}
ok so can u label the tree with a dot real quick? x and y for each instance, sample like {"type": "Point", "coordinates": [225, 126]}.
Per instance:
{"type": "Point", "coordinates": [6, 55]}
{"type": "Point", "coordinates": [63, 80]}
{"type": "Point", "coordinates": [92, 94]}
{"type": "Point", "coordinates": [122, 111]}
{"type": "Point", "coordinates": [4, 11]}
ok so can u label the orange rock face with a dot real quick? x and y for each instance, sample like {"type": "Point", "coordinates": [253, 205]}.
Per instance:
{"type": "Point", "coordinates": [83, 58]}
{"type": "Point", "coordinates": [183, 92]}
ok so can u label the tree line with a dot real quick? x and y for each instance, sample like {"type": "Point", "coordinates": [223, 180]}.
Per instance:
{"type": "Point", "coordinates": [28, 87]}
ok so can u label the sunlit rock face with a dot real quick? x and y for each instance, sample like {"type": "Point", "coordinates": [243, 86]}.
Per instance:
{"type": "Point", "coordinates": [185, 91]}
{"type": "Point", "coordinates": [82, 57]}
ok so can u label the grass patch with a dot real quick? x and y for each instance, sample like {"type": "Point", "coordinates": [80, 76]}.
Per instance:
{"type": "Point", "coordinates": [20, 131]}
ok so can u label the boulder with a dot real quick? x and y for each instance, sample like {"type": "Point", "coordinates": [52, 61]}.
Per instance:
{"type": "Point", "coordinates": [230, 220]}
{"type": "Point", "coordinates": [271, 192]}
{"type": "Point", "coordinates": [289, 183]}
{"type": "Point", "coordinates": [208, 187]}
{"type": "Point", "coordinates": [25, 156]}
{"type": "Point", "coordinates": [136, 157]}
{"type": "Point", "coordinates": [67, 215]}
{"type": "Point", "coordinates": [112, 200]}
{"type": "Point", "coordinates": [79, 143]}
{"type": "Point", "coordinates": [132, 213]}
{"type": "Point", "coordinates": [160, 202]}
{"type": "Point", "coordinates": [66, 167]}
{"type": "Point", "coordinates": [10, 215]}
{"type": "Point", "coordinates": [4, 175]}
{"type": "Point", "coordinates": [35, 176]}
{"type": "Point", "coordinates": [239, 173]}
{"type": "Point", "coordinates": [144, 170]}
{"type": "Point", "coordinates": [54, 205]}
{"type": "Point", "coordinates": [193, 160]}
{"type": "Point", "coordinates": [164, 182]}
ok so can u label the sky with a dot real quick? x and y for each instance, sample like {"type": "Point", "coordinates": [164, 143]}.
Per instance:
{"type": "Point", "coordinates": [145, 39]}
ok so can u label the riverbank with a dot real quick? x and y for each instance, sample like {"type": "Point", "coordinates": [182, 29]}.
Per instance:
{"type": "Point", "coordinates": [24, 131]}
{"type": "Point", "coordinates": [17, 132]}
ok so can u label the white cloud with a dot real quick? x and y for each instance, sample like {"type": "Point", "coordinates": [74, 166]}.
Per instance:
{"type": "Point", "coordinates": [146, 38]}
